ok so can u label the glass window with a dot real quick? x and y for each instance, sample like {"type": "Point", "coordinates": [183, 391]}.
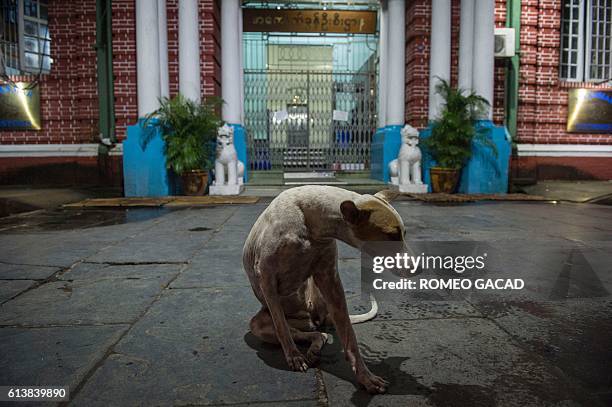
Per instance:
{"type": "Point", "coordinates": [586, 40]}
{"type": "Point", "coordinates": [25, 43]}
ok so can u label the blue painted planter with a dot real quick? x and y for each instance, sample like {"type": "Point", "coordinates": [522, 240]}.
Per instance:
{"type": "Point", "coordinates": [484, 173]}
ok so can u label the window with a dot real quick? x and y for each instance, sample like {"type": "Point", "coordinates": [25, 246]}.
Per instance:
{"type": "Point", "coordinates": [25, 43]}
{"type": "Point", "coordinates": [586, 40]}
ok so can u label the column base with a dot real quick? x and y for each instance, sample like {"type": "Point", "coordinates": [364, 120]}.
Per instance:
{"type": "Point", "coordinates": [144, 163]}
{"type": "Point", "coordinates": [484, 173]}
{"type": "Point", "coordinates": [240, 143]}
{"type": "Point", "coordinates": [385, 147]}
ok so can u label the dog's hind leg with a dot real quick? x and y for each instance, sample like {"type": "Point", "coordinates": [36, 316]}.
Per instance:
{"type": "Point", "coordinates": [262, 327]}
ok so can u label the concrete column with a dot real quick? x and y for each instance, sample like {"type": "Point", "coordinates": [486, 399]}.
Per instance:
{"type": "Point", "coordinates": [466, 44]}
{"type": "Point", "coordinates": [230, 61]}
{"type": "Point", "coordinates": [241, 55]}
{"type": "Point", "coordinates": [383, 55]}
{"type": "Point", "coordinates": [163, 48]}
{"type": "Point", "coordinates": [147, 56]}
{"type": "Point", "coordinates": [484, 51]}
{"type": "Point", "coordinates": [440, 54]}
{"type": "Point", "coordinates": [396, 63]}
{"type": "Point", "coordinates": [189, 50]}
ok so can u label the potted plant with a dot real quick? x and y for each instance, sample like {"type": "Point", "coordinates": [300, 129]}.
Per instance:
{"type": "Point", "coordinates": [189, 130]}
{"type": "Point", "coordinates": [452, 133]}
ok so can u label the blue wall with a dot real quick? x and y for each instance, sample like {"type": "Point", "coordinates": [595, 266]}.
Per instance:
{"type": "Point", "coordinates": [485, 173]}
{"type": "Point", "coordinates": [144, 163]}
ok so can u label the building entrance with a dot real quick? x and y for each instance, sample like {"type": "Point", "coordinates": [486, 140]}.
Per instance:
{"type": "Point", "coordinates": [310, 100]}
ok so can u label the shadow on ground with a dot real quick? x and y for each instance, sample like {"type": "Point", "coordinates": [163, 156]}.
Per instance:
{"type": "Point", "coordinates": [400, 382]}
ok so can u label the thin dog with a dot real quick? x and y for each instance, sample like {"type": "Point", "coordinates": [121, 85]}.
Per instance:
{"type": "Point", "coordinates": [290, 257]}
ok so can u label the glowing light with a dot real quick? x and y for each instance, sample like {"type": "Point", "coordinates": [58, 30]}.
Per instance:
{"type": "Point", "coordinates": [23, 99]}
{"type": "Point", "coordinates": [580, 98]}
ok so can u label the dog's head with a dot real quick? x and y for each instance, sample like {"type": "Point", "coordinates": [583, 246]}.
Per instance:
{"type": "Point", "coordinates": [371, 218]}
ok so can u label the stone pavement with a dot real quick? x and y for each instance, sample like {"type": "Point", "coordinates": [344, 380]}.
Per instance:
{"type": "Point", "coordinates": [573, 191]}
{"type": "Point", "coordinates": [151, 307]}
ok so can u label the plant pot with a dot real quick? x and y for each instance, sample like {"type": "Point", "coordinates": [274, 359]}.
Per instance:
{"type": "Point", "coordinates": [444, 179]}
{"type": "Point", "coordinates": [194, 182]}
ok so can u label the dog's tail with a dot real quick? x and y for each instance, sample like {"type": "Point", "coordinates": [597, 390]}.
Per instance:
{"type": "Point", "coordinates": [357, 319]}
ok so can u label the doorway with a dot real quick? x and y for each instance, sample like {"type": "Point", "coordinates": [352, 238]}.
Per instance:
{"type": "Point", "coordinates": [310, 100]}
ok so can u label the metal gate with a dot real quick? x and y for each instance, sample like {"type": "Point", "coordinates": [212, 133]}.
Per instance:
{"type": "Point", "coordinates": [313, 121]}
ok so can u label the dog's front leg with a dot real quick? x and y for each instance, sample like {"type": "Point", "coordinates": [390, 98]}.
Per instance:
{"type": "Point", "coordinates": [294, 357]}
{"type": "Point", "coordinates": [329, 284]}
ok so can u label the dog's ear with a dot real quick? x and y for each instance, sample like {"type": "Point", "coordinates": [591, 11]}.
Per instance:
{"type": "Point", "coordinates": [386, 195]}
{"type": "Point", "coordinates": [352, 214]}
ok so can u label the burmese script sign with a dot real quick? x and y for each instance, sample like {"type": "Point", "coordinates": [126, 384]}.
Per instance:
{"type": "Point", "coordinates": [590, 111]}
{"type": "Point", "coordinates": [309, 21]}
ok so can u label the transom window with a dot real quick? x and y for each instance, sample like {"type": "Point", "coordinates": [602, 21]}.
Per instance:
{"type": "Point", "coordinates": [25, 43]}
{"type": "Point", "coordinates": [586, 40]}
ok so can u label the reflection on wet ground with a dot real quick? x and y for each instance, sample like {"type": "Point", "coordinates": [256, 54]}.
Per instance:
{"type": "Point", "coordinates": [71, 219]}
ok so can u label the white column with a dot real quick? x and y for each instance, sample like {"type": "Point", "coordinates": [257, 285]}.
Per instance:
{"type": "Point", "coordinates": [241, 55]}
{"type": "Point", "coordinates": [163, 48]}
{"type": "Point", "coordinates": [484, 48]}
{"type": "Point", "coordinates": [440, 52]}
{"type": "Point", "coordinates": [383, 54]}
{"type": "Point", "coordinates": [147, 56]}
{"type": "Point", "coordinates": [189, 49]}
{"type": "Point", "coordinates": [396, 63]}
{"type": "Point", "coordinates": [230, 61]}
{"type": "Point", "coordinates": [466, 44]}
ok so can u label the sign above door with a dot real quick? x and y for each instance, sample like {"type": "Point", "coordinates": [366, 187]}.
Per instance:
{"type": "Point", "coordinates": [309, 21]}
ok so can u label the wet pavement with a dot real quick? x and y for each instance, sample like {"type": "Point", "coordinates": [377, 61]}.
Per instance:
{"type": "Point", "coordinates": [151, 307]}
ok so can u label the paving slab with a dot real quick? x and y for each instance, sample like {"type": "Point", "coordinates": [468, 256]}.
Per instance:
{"type": "Point", "coordinates": [448, 362]}
{"type": "Point", "coordinates": [574, 335]}
{"type": "Point", "coordinates": [96, 271]}
{"type": "Point", "coordinates": [576, 191]}
{"type": "Point", "coordinates": [83, 302]}
{"type": "Point", "coordinates": [192, 347]}
{"type": "Point", "coordinates": [24, 271]}
{"type": "Point", "coordinates": [168, 246]}
{"type": "Point", "coordinates": [10, 288]}
{"type": "Point", "coordinates": [54, 356]}
{"type": "Point", "coordinates": [46, 249]}
{"type": "Point", "coordinates": [213, 268]}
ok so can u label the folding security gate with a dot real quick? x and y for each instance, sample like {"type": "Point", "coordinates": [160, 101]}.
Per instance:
{"type": "Point", "coordinates": [306, 120]}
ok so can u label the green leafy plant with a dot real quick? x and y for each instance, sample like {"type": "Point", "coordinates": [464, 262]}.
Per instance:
{"type": "Point", "coordinates": [450, 143]}
{"type": "Point", "coordinates": [189, 130]}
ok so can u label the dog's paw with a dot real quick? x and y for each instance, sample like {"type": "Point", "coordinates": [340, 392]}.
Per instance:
{"type": "Point", "coordinates": [297, 362]}
{"type": "Point", "coordinates": [313, 357]}
{"type": "Point", "coordinates": [372, 383]}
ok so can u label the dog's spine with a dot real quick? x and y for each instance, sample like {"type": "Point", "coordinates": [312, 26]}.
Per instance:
{"type": "Point", "coordinates": [357, 319]}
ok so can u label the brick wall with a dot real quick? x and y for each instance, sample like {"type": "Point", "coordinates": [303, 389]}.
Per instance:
{"type": "Point", "coordinates": [542, 112]}
{"type": "Point", "coordinates": [210, 47]}
{"type": "Point", "coordinates": [124, 65]}
{"type": "Point", "coordinates": [68, 94]}
{"type": "Point", "coordinates": [418, 26]}
{"type": "Point", "coordinates": [418, 31]}
{"type": "Point", "coordinates": [124, 56]}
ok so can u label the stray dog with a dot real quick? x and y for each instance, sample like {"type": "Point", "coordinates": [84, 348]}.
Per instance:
{"type": "Point", "coordinates": [290, 257]}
